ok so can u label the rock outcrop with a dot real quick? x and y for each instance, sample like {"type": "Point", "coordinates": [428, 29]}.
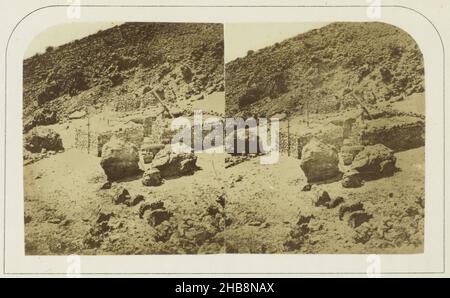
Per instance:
{"type": "Point", "coordinates": [313, 70]}
{"type": "Point", "coordinates": [42, 138]}
{"type": "Point", "coordinates": [187, 58]}
{"type": "Point", "coordinates": [41, 117]}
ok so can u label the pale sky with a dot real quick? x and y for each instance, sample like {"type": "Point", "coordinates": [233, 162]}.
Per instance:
{"type": "Point", "coordinates": [241, 37]}
{"type": "Point", "coordinates": [64, 33]}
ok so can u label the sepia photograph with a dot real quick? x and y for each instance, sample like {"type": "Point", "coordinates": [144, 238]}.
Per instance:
{"type": "Point", "coordinates": [292, 138]}
{"type": "Point", "coordinates": [224, 148]}
{"type": "Point", "coordinates": [350, 101]}
{"type": "Point", "coordinates": [99, 173]}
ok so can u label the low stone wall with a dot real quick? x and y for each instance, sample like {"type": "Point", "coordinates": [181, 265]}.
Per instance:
{"type": "Point", "coordinates": [292, 144]}
{"type": "Point", "coordinates": [397, 133]}
{"type": "Point", "coordinates": [94, 141]}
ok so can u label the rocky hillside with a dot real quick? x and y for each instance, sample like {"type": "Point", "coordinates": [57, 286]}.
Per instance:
{"type": "Point", "coordinates": [118, 67]}
{"type": "Point", "coordinates": [321, 67]}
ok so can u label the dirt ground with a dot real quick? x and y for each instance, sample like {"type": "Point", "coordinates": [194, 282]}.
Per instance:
{"type": "Point", "coordinates": [263, 219]}
{"type": "Point", "coordinates": [61, 213]}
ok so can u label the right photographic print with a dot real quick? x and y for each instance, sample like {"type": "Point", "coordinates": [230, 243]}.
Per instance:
{"type": "Point", "coordinates": [350, 177]}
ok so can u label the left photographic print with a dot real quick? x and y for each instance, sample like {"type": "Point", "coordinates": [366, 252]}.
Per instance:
{"type": "Point", "coordinates": [100, 177]}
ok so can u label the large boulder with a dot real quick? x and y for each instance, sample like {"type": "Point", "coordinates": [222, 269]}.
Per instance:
{"type": "Point", "coordinates": [174, 164]}
{"type": "Point", "coordinates": [375, 161]}
{"type": "Point", "coordinates": [40, 138]}
{"type": "Point", "coordinates": [120, 159]}
{"type": "Point", "coordinates": [319, 161]}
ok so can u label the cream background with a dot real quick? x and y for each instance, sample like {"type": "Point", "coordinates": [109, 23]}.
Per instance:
{"type": "Point", "coordinates": [422, 31]}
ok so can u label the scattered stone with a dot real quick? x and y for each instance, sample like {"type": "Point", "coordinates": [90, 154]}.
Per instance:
{"type": "Point", "coordinates": [54, 220]}
{"type": "Point", "coordinates": [239, 178]}
{"type": "Point", "coordinates": [114, 238]}
{"type": "Point", "coordinates": [174, 164]}
{"type": "Point", "coordinates": [106, 185]}
{"type": "Point", "coordinates": [120, 159]}
{"type": "Point", "coordinates": [213, 210]}
{"type": "Point", "coordinates": [233, 160]}
{"type": "Point", "coordinates": [304, 218]}
{"type": "Point", "coordinates": [397, 98]}
{"type": "Point", "coordinates": [152, 177]}
{"type": "Point", "coordinates": [136, 200]}
{"type": "Point", "coordinates": [362, 234]}
{"type": "Point", "coordinates": [163, 232]}
{"type": "Point", "coordinates": [255, 223]}
{"type": "Point", "coordinates": [221, 200]}
{"type": "Point", "coordinates": [120, 194]}
{"type": "Point", "coordinates": [104, 216]}
{"type": "Point", "coordinates": [65, 222]}
{"type": "Point", "coordinates": [420, 201]}
{"type": "Point", "coordinates": [335, 202]}
{"type": "Point", "coordinates": [375, 161]}
{"type": "Point", "coordinates": [198, 97]}
{"type": "Point", "coordinates": [150, 206]}
{"type": "Point", "coordinates": [297, 237]}
{"type": "Point", "coordinates": [350, 208]}
{"type": "Point", "coordinates": [322, 199]}
{"type": "Point", "coordinates": [351, 179]}
{"type": "Point", "coordinates": [156, 217]}
{"type": "Point", "coordinates": [358, 218]}
{"type": "Point", "coordinates": [412, 211]}
{"type": "Point", "coordinates": [91, 241]}
{"type": "Point", "coordinates": [319, 161]}
{"type": "Point", "coordinates": [99, 230]}
{"type": "Point", "coordinates": [265, 225]}
{"type": "Point", "coordinates": [307, 187]}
